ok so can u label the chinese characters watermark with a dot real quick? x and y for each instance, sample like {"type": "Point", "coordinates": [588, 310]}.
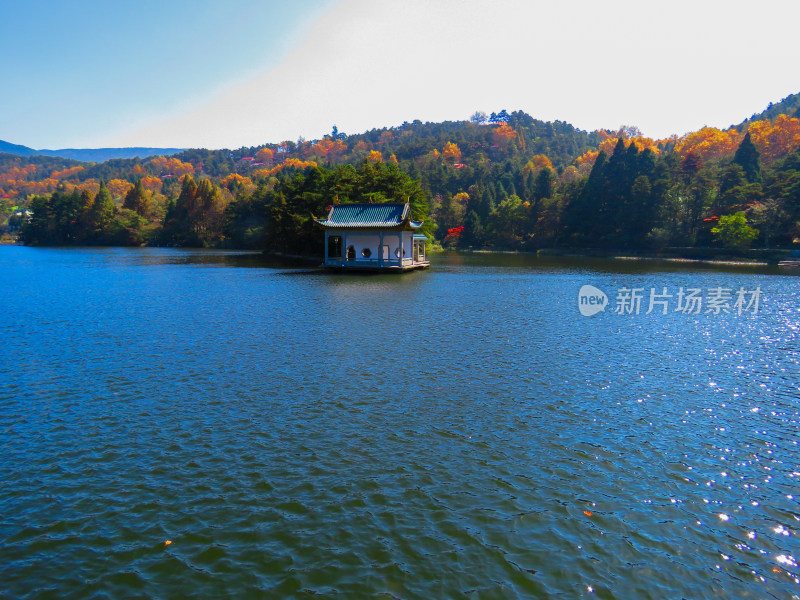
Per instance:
{"type": "Point", "coordinates": [684, 300]}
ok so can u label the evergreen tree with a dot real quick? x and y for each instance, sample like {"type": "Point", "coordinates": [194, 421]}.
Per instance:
{"type": "Point", "coordinates": [586, 215]}
{"type": "Point", "coordinates": [66, 210]}
{"type": "Point", "coordinates": [208, 221]}
{"type": "Point", "coordinates": [100, 217]}
{"type": "Point", "coordinates": [473, 234]}
{"type": "Point", "coordinates": [543, 186]}
{"type": "Point", "coordinates": [137, 199]}
{"type": "Point", "coordinates": [642, 215]}
{"type": "Point", "coordinates": [747, 157]}
{"type": "Point", "coordinates": [177, 228]}
{"type": "Point", "coordinates": [731, 176]}
{"type": "Point", "coordinates": [41, 226]}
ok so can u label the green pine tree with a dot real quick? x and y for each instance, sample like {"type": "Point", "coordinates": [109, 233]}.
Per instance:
{"type": "Point", "coordinates": [544, 184]}
{"type": "Point", "coordinates": [100, 217]}
{"type": "Point", "coordinates": [747, 157]}
{"type": "Point", "coordinates": [136, 199]}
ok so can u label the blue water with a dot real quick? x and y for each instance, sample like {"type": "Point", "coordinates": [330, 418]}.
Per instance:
{"type": "Point", "coordinates": [458, 432]}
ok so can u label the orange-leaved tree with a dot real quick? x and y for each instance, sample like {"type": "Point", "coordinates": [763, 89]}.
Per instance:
{"type": "Point", "coordinates": [709, 143]}
{"type": "Point", "coordinates": [776, 139]}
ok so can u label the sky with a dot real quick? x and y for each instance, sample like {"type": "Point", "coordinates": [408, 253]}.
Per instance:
{"type": "Point", "coordinates": [236, 73]}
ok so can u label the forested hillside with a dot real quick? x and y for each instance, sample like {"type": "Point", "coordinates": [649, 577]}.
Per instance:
{"type": "Point", "coordinates": [788, 106]}
{"type": "Point", "coordinates": [504, 181]}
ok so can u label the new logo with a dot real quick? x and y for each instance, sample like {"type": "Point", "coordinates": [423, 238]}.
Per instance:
{"type": "Point", "coordinates": [591, 300]}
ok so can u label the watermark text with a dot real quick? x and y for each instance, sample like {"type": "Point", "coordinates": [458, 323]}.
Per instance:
{"type": "Point", "coordinates": [663, 300]}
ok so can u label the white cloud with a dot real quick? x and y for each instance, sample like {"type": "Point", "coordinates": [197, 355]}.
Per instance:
{"type": "Point", "coordinates": [666, 67]}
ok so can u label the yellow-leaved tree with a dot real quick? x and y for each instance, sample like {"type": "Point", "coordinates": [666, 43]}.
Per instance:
{"type": "Point", "coordinates": [451, 152]}
{"type": "Point", "coordinates": [776, 139]}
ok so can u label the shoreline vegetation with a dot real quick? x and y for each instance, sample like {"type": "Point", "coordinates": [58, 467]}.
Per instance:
{"type": "Point", "coordinates": [505, 182]}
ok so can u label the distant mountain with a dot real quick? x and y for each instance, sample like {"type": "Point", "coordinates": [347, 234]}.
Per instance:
{"type": "Point", "coordinates": [88, 154]}
{"type": "Point", "coordinates": [9, 148]}
{"type": "Point", "coordinates": [788, 106]}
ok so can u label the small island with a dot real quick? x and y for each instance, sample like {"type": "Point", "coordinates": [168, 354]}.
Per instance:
{"type": "Point", "coordinates": [373, 237]}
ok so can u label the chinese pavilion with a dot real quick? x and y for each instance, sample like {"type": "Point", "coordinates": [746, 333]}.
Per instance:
{"type": "Point", "coordinates": [373, 237]}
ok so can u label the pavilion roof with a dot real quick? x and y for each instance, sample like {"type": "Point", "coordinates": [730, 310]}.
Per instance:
{"type": "Point", "coordinates": [369, 216]}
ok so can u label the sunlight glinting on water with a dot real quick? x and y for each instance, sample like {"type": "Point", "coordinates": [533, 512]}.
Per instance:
{"type": "Point", "coordinates": [180, 420]}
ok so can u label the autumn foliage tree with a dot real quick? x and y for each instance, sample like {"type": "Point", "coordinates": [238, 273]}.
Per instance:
{"type": "Point", "coordinates": [236, 184]}
{"type": "Point", "coordinates": [196, 218]}
{"type": "Point", "coordinates": [775, 139]}
{"type": "Point", "coordinates": [504, 135]}
{"type": "Point", "coordinates": [175, 167]}
{"type": "Point", "coordinates": [328, 149]}
{"type": "Point", "coordinates": [118, 188]}
{"type": "Point", "coordinates": [451, 152]}
{"type": "Point", "coordinates": [265, 156]}
{"type": "Point", "coordinates": [151, 184]}
{"type": "Point", "coordinates": [709, 143]}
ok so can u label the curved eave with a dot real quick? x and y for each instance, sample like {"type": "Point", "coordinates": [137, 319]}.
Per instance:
{"type": "Point", "coordinates": [407, 226]}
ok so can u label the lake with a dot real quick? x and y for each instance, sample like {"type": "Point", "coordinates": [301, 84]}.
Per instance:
{"type": "Point", "coordinates": [182, 423]}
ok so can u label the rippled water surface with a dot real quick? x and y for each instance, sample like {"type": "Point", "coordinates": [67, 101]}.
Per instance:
{"type": "Point", "coordinates": [178, 423]}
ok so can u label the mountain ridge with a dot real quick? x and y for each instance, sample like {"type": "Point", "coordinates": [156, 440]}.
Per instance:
{"type": "Point", "coordinates": [89, 154]}
{"type": "Point", "coordinates": [790, 105]}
